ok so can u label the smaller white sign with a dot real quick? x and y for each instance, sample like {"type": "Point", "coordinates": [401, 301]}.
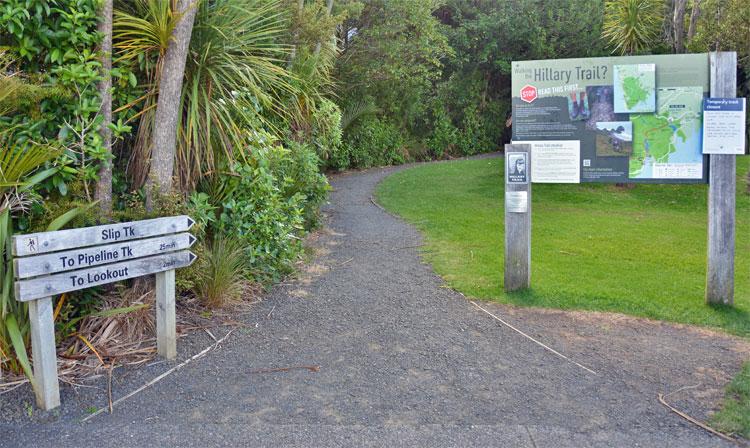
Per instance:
{"type": "Point", "coordinates": [517, 201]}
{"type": "Point", "coordinates": [555, 161]}
{"type": "Point", "coordinates": [724, 126]}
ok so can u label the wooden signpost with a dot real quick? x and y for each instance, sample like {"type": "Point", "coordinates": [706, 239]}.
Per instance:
{"type": "Point", "coordinates": [98, 255]}
{"type": "Point", "coordinates": [517, 217]}
{"type": "Point", "coordinates": [52, 263]}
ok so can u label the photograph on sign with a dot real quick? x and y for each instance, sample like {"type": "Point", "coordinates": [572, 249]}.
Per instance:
{"type": "Point", "coordinates": [556, 162]}
{"type": "Point", "coordinates": [578, 106]}
{"type": "Point", "coordinates": [614, 139]}
{"type": "Point", "coordinates": [724, 126]}
{"type": "Point", "coordinates": [516, 168]}
{"type": "Point", "coordinates": [637, 118]}
{"type": "Point", "coordinates": [517, 201]}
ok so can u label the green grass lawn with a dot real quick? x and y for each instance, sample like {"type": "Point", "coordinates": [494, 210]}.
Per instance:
{"type": "Point", "coordinates": [734, 416]}
{"type": "Point", "coordinates": [639, 251]}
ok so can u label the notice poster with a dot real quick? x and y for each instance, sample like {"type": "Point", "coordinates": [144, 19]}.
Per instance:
{"type": "Point", "coordinates": [724, 126]}
{"type": "Point", "coordinates": [516, 168]}
{"type": "Point", "coordinates": [555, 161]}
{"type": "Point", "coordinates": [635, 119]}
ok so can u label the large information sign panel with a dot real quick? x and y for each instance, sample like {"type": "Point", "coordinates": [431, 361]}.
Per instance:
{"type": "Point", "coordinates": [635, 119]}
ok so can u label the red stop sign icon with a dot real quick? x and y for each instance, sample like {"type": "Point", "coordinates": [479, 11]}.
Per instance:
{"type": "Point", "coordinates": [528, 93]}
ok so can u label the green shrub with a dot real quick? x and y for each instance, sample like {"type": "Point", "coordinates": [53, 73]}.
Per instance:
{"type": "Point", "coordinates": [444, 137]}
{"type": "Point", "coordinates": [299, 167]}
{"type": "Point", "coordinates": [326, 132]}
{"type": "Point", "coordinates": [340, 160]}
{"type": "Point", "coordinates": [56, 67]}
{"type": "Point", "coordinates": [472, 139]}
{"type": "Point", "coordinates": [375, 142]}
{"type": "Point", "coordinates": [267, 201]}
{"type": "Point", "coordinates": [258, 212]}
{"type": "Point", "coordinates": [201, 209]}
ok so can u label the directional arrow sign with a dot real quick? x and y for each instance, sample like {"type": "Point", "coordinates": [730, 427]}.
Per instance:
{"type": "Point", "coordinates": [50, 285]}
{"type": "Point", "coordinates": [87, 257]}
{"type": "Point", "coordinates": [45, 242]}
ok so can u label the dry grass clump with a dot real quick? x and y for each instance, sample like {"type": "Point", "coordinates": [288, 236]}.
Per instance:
{"type": "Point", "coordinates": [123, 331]}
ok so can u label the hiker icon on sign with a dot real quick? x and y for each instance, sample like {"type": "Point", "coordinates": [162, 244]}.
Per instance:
{"type": "Point", "coordinates": [32, 244]}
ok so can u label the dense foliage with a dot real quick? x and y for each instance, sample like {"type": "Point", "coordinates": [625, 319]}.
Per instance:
{"type": "Point", "coordinates": [53, 43]}
{"type": "Point", "coordinates": [253, 185]}
{"type": "Point", "coordinates": [438, 72]}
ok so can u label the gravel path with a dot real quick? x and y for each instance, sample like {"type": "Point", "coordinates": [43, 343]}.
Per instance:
{"type": "Point", "coordinates": [403, 361]}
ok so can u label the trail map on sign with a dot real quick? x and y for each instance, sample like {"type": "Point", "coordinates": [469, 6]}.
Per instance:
{"type": "Point", "coordinates": [667, 144]}
{"type": "Point", "coordinates": [635, 88]}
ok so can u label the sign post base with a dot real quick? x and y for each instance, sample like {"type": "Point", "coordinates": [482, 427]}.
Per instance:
{"type": "Point", "coordinates": [166, 332]}
{"type": "Point", "coordinates": [47, 389]}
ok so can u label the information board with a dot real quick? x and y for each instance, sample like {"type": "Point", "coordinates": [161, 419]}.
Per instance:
{"type": "Point", "coordinates": [634, 119]}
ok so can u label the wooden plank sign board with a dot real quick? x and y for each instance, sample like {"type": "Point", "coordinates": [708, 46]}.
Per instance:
{"type": "Point", "coordinates": [49, 285]}
{"type": "Point", "coordinates": [45, 242]}
{"type": "Point", "coordinates": [50, 263]}
{"type": "Point", "coordinates": [97, 255]}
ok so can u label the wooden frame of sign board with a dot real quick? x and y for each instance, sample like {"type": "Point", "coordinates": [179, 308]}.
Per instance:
{"type": "Point", "coordinates": [721, 207]}
{"type": "Point", "coordinates": [722, 184]}
{"type": "Point", "coordinates": [50, 263]}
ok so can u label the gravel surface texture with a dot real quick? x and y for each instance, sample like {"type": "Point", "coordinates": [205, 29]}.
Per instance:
{"type": "Point", "coordinates": [400, 360]}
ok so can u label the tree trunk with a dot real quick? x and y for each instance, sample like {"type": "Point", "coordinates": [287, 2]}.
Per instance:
{"type": "Point", "coordinates": [164, 139]}
{"type": "Point", "coordinates": [293, 53]}
{"type": "Point", "coordinates": [103, 192]}
{"type": "Point", "coordinates": [694, 15]}
{"type": "Point", "coordinates": [679, 26]}
{"type": "Point", "coordinates": [329, 10]}
{"type": "Point", "coordinates": [668, 24]}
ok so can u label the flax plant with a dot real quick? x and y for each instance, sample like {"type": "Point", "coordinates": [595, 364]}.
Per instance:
{"type": "Point", "coordinates": [632, 26]}
{"type": "Point", "coordinates": [20, 170]}
{"type": "Point", "coordinates": [235, 79]}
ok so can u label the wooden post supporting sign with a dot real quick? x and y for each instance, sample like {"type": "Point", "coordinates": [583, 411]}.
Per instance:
{"type": "Point", "coordinates": [517, 217]}
{"type": "Point", "coordinates": [51, 263]}
{"type": "Point", "coordinates": [721, 194]}
{"type": "Point", "coordinates": [45, 356]}
{"type": "Point", "coordinates": [166, 327]}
